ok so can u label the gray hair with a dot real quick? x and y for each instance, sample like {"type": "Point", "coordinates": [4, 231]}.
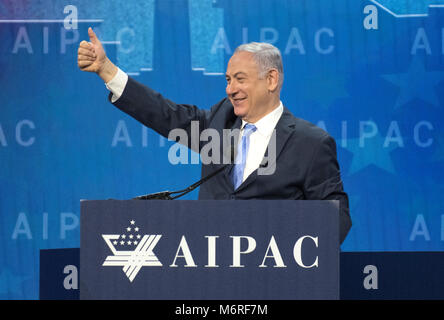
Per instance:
{"type": "Point", "coordinates": [266, 56]}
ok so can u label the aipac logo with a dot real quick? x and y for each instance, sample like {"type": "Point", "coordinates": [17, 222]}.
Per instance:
{"type": "Point", "coordinates": [132, 251]}
{"type": "Point", "coordinates": [133, 260]}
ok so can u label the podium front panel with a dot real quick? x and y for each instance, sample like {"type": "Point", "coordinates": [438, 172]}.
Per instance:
{"type": "Point", "coordinates": [215, 250]}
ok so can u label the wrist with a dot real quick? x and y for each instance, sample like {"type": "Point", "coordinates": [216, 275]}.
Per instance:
{"type": "Point", "coordinates": [108, 71]}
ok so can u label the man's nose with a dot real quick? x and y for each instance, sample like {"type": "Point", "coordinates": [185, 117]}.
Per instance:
{"type": "Point", "coordinates": [231, 89]}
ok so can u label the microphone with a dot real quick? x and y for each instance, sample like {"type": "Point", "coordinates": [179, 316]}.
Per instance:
{"type": "Point", "coordinates": [171, 195]}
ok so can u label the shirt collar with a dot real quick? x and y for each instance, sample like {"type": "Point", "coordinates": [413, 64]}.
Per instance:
{"type": "Point", "coordinates": [266, 124]}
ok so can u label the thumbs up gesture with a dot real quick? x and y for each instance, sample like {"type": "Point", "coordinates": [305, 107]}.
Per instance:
{"type": "Point", "coordinates": [91, 57]}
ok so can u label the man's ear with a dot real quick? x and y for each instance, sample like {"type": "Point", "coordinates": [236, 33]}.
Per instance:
{"type": "Point", "coordinates": [272, 80]}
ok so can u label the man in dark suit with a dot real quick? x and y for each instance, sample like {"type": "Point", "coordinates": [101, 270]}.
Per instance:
{"type": "Point", "coordinates": [279, 156]}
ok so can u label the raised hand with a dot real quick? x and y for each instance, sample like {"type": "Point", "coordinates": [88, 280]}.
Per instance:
{"type": "Point", "coordinates": [91, 57]}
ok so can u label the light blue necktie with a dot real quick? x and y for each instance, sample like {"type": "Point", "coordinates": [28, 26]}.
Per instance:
{"type": "Point", "coordinates": [241, 157]}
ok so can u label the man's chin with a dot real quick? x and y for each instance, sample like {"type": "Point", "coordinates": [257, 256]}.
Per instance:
{"type": "Point", "coordinates": [239, 112]}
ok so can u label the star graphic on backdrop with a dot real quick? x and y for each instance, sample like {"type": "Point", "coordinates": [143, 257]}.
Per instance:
{"type": "Point", "coordinates": [132, 222]}
{"type": "Point", "coordinates": [371, 151]}
{"type": "Point", "coordinates": [354, 201]}
{"type": "Point", "coordinates": [416, 83]}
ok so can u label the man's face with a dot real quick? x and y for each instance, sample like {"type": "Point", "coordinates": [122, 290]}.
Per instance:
{"type": "Point", "coordinates": [247, 93]}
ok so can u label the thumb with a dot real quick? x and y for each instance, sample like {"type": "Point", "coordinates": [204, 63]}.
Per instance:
{"type": "Point", "coordinates": [92, 36]}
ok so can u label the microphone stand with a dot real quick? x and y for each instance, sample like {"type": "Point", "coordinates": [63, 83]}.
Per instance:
{"type": "Point", "coordinates": [171, 195]}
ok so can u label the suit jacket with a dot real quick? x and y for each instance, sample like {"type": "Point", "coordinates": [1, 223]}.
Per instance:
{"type": "Point", "coordinates": [306, 164]}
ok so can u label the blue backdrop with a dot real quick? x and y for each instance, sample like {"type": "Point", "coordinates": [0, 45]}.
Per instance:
{"type": "Point", "coordinates": [369, 72]}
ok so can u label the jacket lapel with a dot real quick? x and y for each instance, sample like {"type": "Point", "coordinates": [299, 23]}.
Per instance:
{"type": "Point", "coordinates": [283, 131]}
{"type": "Point", "coordinates": [227, 172]}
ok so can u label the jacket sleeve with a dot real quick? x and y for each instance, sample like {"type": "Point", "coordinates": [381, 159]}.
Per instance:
{"type": "Point", "coordinates": [160, 114]}
{"type": "Point", "coordinates": [323, 182]}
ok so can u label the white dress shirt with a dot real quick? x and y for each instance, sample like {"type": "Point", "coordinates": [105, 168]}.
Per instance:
{"type": "Point", "coordinates": [117, 84]}
{"type": "Point", "coordinates": [258, 139]}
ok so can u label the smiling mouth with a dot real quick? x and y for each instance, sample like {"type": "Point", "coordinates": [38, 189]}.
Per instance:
{"type": "Point", "coordinates": [237, 100]}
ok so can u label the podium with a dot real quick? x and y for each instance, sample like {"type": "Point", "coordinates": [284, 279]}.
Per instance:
{"type": "Point", "coordinates": [215, 250]}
